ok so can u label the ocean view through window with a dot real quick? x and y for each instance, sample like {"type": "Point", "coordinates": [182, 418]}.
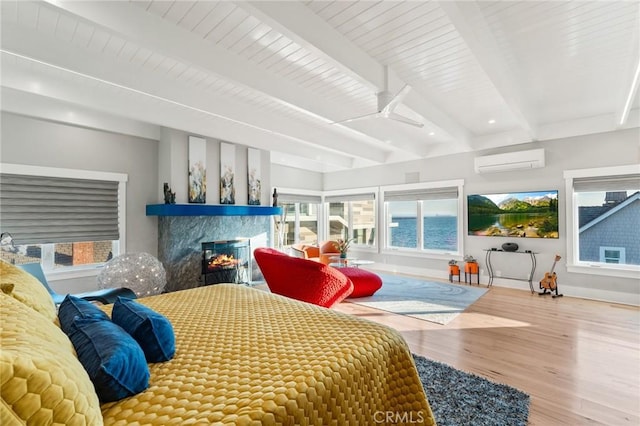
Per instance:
{"type": "Point", "coordinates": [440, 232]}
{"type": "Point", "coordinates": [424, 217]}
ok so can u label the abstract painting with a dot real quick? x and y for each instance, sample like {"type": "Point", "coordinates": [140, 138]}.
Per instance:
{"type": "Point", "coordinates": [197, 170]}
{"type": "Point", "coordinates": [254, 178]}
{"type": "Point", "coordinates": [227, 173]}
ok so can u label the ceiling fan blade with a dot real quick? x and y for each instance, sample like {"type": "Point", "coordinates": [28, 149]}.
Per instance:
{"type": "Point", "coordinates": [403, 119]}
{"type": "Point", "coordinates": [360, 117]}
{"type": "Point", "coordinates": [396, 100]}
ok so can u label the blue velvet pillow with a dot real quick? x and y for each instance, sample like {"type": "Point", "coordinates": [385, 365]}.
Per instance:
{"type": "Point", "coordinates": [113, 359]}
{"type": "Point", "coordinates": [152, 330]}
{"type": "Point", "coordinates": [72, 307]}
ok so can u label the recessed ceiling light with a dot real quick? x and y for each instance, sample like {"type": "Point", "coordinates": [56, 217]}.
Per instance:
{"type": "Point", "coordinates": [432, 133]}
{"type": "Point", "coordinates": [492, 121]}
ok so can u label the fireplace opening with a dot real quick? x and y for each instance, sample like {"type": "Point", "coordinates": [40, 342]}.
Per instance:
{"type": "Point", "coordinates": [226, 262]}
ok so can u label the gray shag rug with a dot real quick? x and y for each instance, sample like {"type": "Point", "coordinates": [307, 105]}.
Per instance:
{"type": "Point", "coordinates": [461, 399]}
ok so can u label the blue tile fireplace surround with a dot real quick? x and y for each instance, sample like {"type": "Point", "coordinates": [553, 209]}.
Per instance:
{"type": "Point", "coordinates": [182, 228]}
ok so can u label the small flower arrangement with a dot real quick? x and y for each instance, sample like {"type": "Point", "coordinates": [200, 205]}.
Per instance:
{"type": "Point", "coordinates": [343, 245]}
{"type": "Point", "coordinates": [453, 262]}
{"type": "Point", "coordinates": [470, 259]}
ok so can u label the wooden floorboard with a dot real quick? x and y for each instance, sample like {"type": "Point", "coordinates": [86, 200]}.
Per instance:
{"type": "Point", "coordinates": [578, 359]}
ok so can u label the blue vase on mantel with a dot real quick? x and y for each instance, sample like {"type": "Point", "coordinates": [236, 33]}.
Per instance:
{"type": "Point", "coordinates": [343, 255]}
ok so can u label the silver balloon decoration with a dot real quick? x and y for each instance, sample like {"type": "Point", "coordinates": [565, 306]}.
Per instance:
{"type": "Point", "coordinates": [140, 272]}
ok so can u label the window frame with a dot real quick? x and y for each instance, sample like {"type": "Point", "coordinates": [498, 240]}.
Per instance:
{"type": "Point", "coordinates": [320, 211]}
{"type": "Point", "coordinates": [353, 192]}
{"type": "Point", "coordinates": [419, 250]}
{"type": "Point", "coordinates": [574, 265]}
{"type": "Point", "coordinates": [47, 258]}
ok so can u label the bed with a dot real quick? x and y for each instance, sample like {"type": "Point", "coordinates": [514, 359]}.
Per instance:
{"type": "Point", "coordinates": [245, 356]}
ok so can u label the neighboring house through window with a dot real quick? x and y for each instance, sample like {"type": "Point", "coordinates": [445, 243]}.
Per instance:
{"type": "Point", "coordinates": [352, 214]}
{"type": "Point", "coordinates": [603, 220]}
{"type": "Point", "coordinates": [300, 216]}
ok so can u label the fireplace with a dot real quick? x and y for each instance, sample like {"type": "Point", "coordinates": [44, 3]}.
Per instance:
{"type": "Point", "coordinates": [226, 262]}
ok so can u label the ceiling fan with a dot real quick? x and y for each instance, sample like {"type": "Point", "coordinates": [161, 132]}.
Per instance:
{"type": "Point", "coordinates": [387, 103]}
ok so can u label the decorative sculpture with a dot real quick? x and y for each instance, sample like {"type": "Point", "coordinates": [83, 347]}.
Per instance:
{"type": "Point", "coordinates": [169, 197]}
{"type": "Point", "coordinates": [275, 197]}
{"type": "Point", "coordinates": [141, 272]}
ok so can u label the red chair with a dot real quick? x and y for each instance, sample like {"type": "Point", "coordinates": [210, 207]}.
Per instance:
{"type": "Point", "coordinates": [302, 279]}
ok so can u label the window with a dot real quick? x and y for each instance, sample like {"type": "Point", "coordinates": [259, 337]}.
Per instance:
{"type": "Point", "coordinates": [300, 216]}
{"type": "Point", "coordinates": [604, 220]}
{"type": "Point", "coordinates": [402, 219]}
{"type": "Point", "coordinates": [612, 255]}
{"type": "Point", "coordinates": [424, 217]}
{"type": "Point", "coordinates": [68, 220]}
{"type": "Point", "coordinates": [353, 215]}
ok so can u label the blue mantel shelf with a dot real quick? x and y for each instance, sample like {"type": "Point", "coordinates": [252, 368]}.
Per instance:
{"type": "Point", "coordinates": [210, 210]}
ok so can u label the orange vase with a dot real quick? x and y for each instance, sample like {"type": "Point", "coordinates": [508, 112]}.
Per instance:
{"type": "Point", "coordinates": [471, 268]}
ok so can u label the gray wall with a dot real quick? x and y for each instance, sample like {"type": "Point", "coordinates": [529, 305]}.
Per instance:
{"type": "Point", "coordinates": [48, 144]}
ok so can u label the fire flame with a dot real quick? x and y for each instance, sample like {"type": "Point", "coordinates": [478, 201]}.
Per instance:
{"type": "Point", "coordinates": [223, 261]}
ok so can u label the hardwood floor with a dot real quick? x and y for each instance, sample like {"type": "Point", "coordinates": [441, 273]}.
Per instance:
{"type": "Point", "coordinates": [578, 359]}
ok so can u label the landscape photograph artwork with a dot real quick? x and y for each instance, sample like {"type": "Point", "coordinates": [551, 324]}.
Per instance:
{"type": "Point", "coordinates": [514, 214]}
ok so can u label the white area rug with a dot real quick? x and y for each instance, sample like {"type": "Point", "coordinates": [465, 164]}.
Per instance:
{"type": "Point", "coordinates": [425, 300]}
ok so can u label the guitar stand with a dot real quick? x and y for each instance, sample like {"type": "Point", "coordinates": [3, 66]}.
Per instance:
{"type": "Point", "coordinates": [547, 291]}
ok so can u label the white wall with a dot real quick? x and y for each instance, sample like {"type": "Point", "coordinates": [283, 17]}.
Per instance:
{"type": "Point", "coordinates": [599, 150]}
{"type": "Point", "coordinates": [291, 177]}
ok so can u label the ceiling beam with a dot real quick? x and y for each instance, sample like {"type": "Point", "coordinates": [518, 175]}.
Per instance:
{"type": "Point", "coordinates": [76, 93]}
{"type": "Point", "coordinates": [299, 23]}
{"type": "Point", "coordinates": [51, 51]}
{"type": "Point", "coordinates": [468, 20]}
{"type": "Point", "coordinates": [630, 84]}
{"type": "Point", "coordinates": [134, 24]}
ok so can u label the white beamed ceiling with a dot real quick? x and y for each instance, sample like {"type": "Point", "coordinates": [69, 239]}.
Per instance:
{"type": "Point", "coordinates": [278, 75]}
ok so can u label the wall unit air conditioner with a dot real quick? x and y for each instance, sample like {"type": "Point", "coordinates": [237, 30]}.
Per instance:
{"type": "Point", "coordinates": [521, 160]}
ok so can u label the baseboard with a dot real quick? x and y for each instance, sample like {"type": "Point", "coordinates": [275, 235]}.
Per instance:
{"type": "Point", "coordinates": [600, 295]}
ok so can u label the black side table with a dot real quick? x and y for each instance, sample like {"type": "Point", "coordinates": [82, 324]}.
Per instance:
{"type": "Point", "coordinates": [529, 278]}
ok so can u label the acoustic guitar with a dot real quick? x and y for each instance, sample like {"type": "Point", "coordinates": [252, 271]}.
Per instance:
{"type": "Point", "coordinates": [550, 280]}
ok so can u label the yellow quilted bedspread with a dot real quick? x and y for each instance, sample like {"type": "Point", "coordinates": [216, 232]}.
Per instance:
{"type": "Point", "coordinates": [245, 356]}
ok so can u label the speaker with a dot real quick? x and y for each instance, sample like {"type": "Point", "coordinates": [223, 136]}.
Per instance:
{"type": "Point", "coordinates": [510, 247]}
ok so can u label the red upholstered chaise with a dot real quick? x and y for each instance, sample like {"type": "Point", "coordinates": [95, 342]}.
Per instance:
{"type": "Point", "coordinates": [302, 279]}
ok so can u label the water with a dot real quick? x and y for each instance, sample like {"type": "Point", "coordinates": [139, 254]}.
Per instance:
{"type": "Point", "coordinates": [440, 232]}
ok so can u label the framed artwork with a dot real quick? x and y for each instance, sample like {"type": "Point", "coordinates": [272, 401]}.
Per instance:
{"type": "Point", "coordinates": [531, 214]}
{"type": "Point", "coordinates": [197, 170]}
{"type": "Point", "coordinates": [227, 173]}
{"type": "Point", "coordinates": [254, 177]}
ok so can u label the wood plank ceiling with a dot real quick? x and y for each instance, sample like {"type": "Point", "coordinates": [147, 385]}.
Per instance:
{"type": "Point", "coordinates": [285, 75]}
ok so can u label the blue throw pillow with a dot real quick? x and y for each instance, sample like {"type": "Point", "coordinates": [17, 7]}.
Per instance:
{"type": "Point", "coordinates": [152, 330]}
{"type": "Point", "coordinates": [113, 359]}
{"type": "Point", "coordinates": [72, 307]}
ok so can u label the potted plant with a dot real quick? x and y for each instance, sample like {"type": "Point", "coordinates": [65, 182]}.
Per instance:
{"type": "Point", "coordinates": [454, 270]}
{"type": "Point", "coordinates": [470, 265]}
{"type": "Point", "coordinates": [343, 246]}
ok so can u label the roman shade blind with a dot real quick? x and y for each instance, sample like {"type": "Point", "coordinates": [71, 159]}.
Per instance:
{"type": "Point", "coordinates": [365, 196]}
{"type": "Point", "coordinates": [41, 209]}
{"type": "Point", "coordinates": [290, 198]}
{"type": "Point", "coordinates": [607, 183]}
{"type": "Point", "coordinates": [442, 193]}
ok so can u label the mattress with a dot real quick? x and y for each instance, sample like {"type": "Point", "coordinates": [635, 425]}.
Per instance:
{"type": "Point", "coordinates": [245, 356]}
